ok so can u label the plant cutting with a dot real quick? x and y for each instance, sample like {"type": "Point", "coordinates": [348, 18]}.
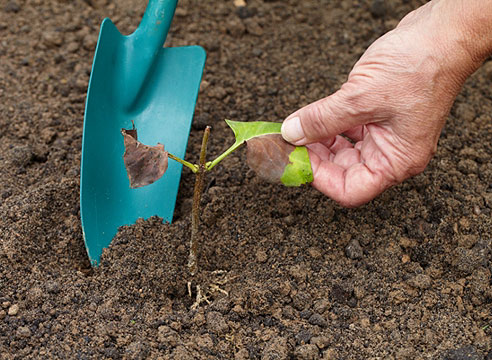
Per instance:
{"type": "Point", "coordinates": [268, 154]}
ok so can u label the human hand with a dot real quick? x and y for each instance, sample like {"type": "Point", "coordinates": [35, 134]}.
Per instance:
{"type": "Point", "coordinates": [392, 109]}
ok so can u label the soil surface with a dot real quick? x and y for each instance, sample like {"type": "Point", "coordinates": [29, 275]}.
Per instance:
{"type": "Point", "coordinates": [288, 273]}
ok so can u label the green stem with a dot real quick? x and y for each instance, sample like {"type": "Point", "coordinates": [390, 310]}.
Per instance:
{"type": "Point", "coordinates": [222, 156]}
{"type": "Point", "coordinates": [195, 211]}
{"type": "Point", "coordinates": [193, 167]}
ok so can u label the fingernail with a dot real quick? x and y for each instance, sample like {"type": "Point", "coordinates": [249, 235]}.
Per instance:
{"type": "Point", "coordinates": [292, 130]}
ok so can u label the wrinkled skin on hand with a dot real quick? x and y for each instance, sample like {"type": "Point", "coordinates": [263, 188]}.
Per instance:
{"type": "Point", "coordinates": [392, 108]}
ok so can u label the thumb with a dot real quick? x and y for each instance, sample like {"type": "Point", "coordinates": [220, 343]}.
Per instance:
{"type": "Point", "coordinates": [323, 119]}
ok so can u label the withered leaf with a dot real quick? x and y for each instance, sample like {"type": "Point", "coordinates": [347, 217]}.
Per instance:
{"type": "Point", "coordinates": [268, 156]}
{"type": "Point", "coordinates": [272, 157]}
{"type": "Point", "coordinates": [144, 164]}
{"type": "Point", "coordinates": [131, 132]}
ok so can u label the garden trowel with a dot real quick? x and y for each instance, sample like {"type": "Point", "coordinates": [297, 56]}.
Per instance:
{"type": "Point", "coordinates": [134, 79]}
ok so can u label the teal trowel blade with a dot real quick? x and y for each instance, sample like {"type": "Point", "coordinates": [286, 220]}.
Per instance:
{"type": "Point", "coordinates": [134, 78]}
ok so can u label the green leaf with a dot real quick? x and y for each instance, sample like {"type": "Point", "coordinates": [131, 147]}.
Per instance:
{"type": "Point", "coordinates": [244, 131]}
{"type": "Point", "coordinates": [247, 130]}
{"type": "Point", "coordinates": [298, 171]}
{"type": "Point", "coordinates": [272, 158]}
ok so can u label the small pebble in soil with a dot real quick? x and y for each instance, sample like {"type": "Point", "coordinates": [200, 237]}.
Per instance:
{"type": "Point", "coordinates": [306, 352]}
{"type": "Point", "coordinates": [301, 300]}
{"type": "Point", "coordinates": [22, 155]}
{"type": "Point", "coordinates": [52, 287]}
{"type": "Point", "coordinates": [487, 68]}
{"type": "Point", "coordinates": [315, 252]}
{"type": "Point", "coordinates": [466, 261]}
{"type": "Point", "coordinates": [354, 250]}
{"type": "Point", "coordinates": [420, 281]}
{"type": "Point", "coordinates": [317, 319]}
{"type": "Point", "coordinates": [242, 354]}
{"type": "Point", "coordinates": [378, 8]}
{"type": "Point", "coordinates": [330, 354]}
{"type": "Point", "coordinates": [467, 241]}
{"type": "Point", "coordinates": [321, 341]}
{"type": "Point", "coordinates": [72, 47]}
{"type": "Point", "coordinates": [89, 42]}
{"type": "Point", "coordinates": [305, 314]}
{"type": "Point", "coordinates": [167, 336]}
{"type": "Point", "coordinates": [12, 6]}
{"type": "Point", "coordinates": [276, 348]}
{"type": "Point", "coordinates": [53, 38]}
{"type": "Point", "coordinates": [257, 52]}
{"type": "Point", "coordinates": [201, 121]}
{"type": "Point", "coordinates": [6, 304]}
{"type": "Point", "coordinates": [235, 27]}
{"type": "Point", "coordinates": [468, 166]}
{"type": "Point", "coordinates": [13, 310]}
{"type": "Point", "coordinates": [181, 12]}
{"type": "Point", "coordinates": [261, 256]}
{"type": "Point", "coordinates": [180, 352]}
{"type": "Point", "coordinates": [465, 112]}
{"type": "Point", "coordinates": [238, 310]}
{"type": "Point", "coordinates": [222, 305]}
{"type": "Point", "coordinates": [199, 319]}
{"type": "Point", "coordinates": [303, 336]}
{"type": "Point", "coordinates": [245, 12]}
{"type": "Point", "coordinates": [138, 350]}
{"type": "Point", "coordinates": [320, 306]}
{"type": "Point", "coordinates": [289, 220]}
{"type": "Point", "coordinates": [253, 27]}
{"type": "Point", "coordinates": [217, 92]}
{"type": "Point", "coordinates": [468, 352]}
{"type": "Point", "coordinates": [211, 45]}
{"type": "Point", "coordinates": [6, 193]}
{"type": "Point", "coordinates": [217, 323]}
{"type": "Point", "coordinates": [23, 332]}
{"type": "Point", "coordinates": [288, 312]}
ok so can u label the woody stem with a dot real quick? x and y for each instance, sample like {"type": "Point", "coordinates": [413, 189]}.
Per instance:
{"type": "Point", "coordinates": [195, 212]}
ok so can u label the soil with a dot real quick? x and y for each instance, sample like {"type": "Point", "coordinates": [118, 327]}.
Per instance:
{"type": "Point", "coordinates": [288, 273]}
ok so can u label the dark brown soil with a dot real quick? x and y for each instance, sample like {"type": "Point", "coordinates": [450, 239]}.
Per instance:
{"type": "Point", "coordinates": [407, 276]}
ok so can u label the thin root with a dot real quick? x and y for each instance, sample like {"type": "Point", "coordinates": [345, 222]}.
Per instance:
{"type": "Point", "coordinates": [189, 288]}
{"type": "Point", "coordinates": [199, 298]}
{"type": "Point", "coordinates": [214, 287]}
{"type": "Point", "coordinates": [202, 297]}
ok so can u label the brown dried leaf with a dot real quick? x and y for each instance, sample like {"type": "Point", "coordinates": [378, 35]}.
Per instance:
{"type": "Point", "coordinates": [268, 155]}
{"type": "Point", "coordinates": [144, 164]}
{"type": "Point", "coordinates": [131, 132]}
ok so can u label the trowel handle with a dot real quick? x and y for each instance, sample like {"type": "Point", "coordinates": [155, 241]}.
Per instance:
{"type": "Point", "coordinates": [155, 24]}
